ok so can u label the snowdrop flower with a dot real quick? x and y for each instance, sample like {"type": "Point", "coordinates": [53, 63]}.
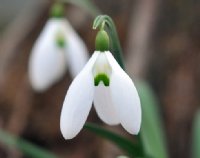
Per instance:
{"type": "Point", "coordinates": [105, 83]}
{"type": "Point", "coordinates": [57, 48]}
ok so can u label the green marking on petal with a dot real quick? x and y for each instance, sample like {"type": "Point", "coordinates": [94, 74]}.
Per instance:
{"type": "Point", "coordinates": [60, 40]}
{"type": "Point", "coordinates": [101, 77]}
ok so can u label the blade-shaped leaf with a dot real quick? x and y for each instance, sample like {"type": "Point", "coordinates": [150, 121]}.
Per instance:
{"type": "Point", "coordinates": [123, 143]}
{"type": "Point", "coordinates": [152, 133]}
{"type": "Point", "coordinates": [27, 148]}
{"type": "Point", "coordinates": [196, 136]}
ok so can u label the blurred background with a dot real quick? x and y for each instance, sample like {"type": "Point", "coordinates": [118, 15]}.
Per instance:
{"type": "Point", "coordinates": [161, 44]}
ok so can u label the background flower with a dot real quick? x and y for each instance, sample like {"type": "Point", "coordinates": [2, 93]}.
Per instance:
{"type": "Point", "coordinates": [57, 48]}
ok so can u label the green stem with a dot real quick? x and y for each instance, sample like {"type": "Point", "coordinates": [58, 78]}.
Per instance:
{"type": "Point", "coordinates": [115, 48]}
{"type": "Point", "coordinates": [105, 21]}
{"type": "Point", "coordinates": [131, 148]}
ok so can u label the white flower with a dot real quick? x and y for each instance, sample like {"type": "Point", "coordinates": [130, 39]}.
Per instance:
{"type": "Point", "coordinates": [57, 48]}
{"type": "Point", "coordinates": [115, 97]}
{"type": "Point", "coordinates": [122, 156]}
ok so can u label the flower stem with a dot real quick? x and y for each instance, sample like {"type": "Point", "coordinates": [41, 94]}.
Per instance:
{"type": "Point", "coordinates": [105, 21]}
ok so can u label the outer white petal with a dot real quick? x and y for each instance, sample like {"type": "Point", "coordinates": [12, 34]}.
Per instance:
{"type": "Point", "coordinates": [125, 97]}
{"type": "Point", "coordinates": [47, 62]}
{"type": "Point", "coordinates": [76, 50]}
{"type": "Point", "coordinates": [78, 101]}
{"type": "Point", "coordinates": [104, 106]}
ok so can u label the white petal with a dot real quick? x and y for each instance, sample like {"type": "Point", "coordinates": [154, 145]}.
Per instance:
{"type": "Point", "coordinates": [104, 106]}
{"type": "Point", "coordinates": [76, 50]}
{"type": "Point", "coordinates": [47, 62]}
{"type": "Point", "coordinates": [78, 101]}
{"type": "Point", "coordinates": [125, 97]}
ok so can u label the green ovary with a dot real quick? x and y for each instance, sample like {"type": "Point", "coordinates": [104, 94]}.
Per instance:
{"type": "Point", "coordinates": [101, 77]}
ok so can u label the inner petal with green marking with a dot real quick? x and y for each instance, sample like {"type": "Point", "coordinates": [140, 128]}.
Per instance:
{"type": "Point", "coordinates": [102, 70]}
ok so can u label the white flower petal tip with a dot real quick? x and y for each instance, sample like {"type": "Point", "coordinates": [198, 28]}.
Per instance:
{"type": "Point", "coordinates": [122, 156]}
{"type": "Point", "coordinates": [48, 62]}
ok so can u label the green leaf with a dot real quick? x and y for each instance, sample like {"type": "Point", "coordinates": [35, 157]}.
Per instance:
{"type": "Point", "coordinates": [196, 136]}
{"type": "Point", "coordinates": [123, 143]}
{"type": "Point", "coordinates": [152, 133]}
{"type": "Point", "coordinates": [27, 148]}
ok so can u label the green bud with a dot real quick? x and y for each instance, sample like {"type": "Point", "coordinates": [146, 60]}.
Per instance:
{"type": "Point", "coordinates": [57, 10]}
{"type": "Point", "coordinates": [101, 77]}
{"type": "Point", "coordinates": [102, 41]}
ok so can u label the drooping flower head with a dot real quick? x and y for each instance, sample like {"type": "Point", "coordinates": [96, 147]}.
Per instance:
{"type": "Point", "coordinates": [57, 48]}
{"type": "Point", "coordinates": [105, 83]}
